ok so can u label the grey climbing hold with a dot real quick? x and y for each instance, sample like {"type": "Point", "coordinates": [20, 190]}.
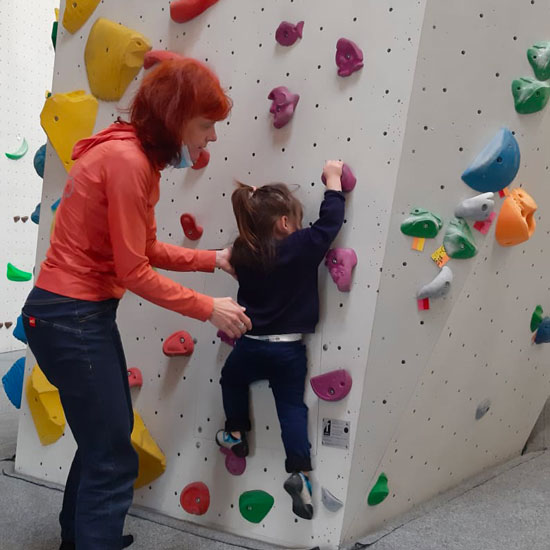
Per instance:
{"type": "Point", "coordinates": [477, 208]}
{"type": "Point", "coordinates": [439, 286]}
{"type": "Point", "coordinates": [331, 503]}
{"type": "Point", "coordinates": [483, 409]}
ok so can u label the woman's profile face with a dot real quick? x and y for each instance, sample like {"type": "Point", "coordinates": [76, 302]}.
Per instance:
{"type": "Point", "coordinates": [198, 132]}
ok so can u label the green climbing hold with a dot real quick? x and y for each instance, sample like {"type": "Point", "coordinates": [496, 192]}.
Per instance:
{"type": "Point", "coordinates": [20, 152]}
{"type": "Point", "coordinates": [54, 34]}
{"type": "Point", "coordinates": [15, 274]}
{"type": "Point", "coordinates": [539, 58]}
{"type": "Point", "coordinates": [255, 505]}
{"type": "Point", "coordinates": [380, 491]}
{"type": "Point", "coordinates": [422, 223]}
{"type": "Point", "coordinates": [536, 318]}
{"type": "Point", "coordinates": [459, 242]}
{"type": "Point", "coordinates": [530, 95]}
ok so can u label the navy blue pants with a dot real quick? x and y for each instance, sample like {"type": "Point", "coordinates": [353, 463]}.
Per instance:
{"type": "Point", "coordinates": [77, 345]}
{"type": "Point", "coordinates": [284, 365]}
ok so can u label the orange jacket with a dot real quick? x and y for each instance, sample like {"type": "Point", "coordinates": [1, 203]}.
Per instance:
{"type": "Point", "coordinates": [105, 231]}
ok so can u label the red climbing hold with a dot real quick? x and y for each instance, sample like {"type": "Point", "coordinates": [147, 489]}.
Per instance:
{"type": "Point", "coordinates": [135, 379]}
{"type": "Point", "coordinates": [202, 161]}
{"type": "Point", "coordinates": [195, 498]}
{"type": "Point", "coordinates": [190, 227]}
{"type": "Point", "coordinates": [332, 386]}
{"type": "Point", "coordinates": [182, 11]}
{"type": "Point", "coordinates": [157, 56]}
{"type": "Point", "coordinates": [180, 343]}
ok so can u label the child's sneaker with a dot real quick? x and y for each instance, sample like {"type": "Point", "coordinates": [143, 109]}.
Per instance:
{"type": "Point", "coordinates": [238, 446]}
{"type": "Point", "coordinates": [298, 487]}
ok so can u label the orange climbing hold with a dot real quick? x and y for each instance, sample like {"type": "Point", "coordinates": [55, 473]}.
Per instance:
{"type": "Point", "coordinates": [135, 378]}
{"type": "Point", "coordinates": [157, 56]}
{"type": "Point", "coordinates": [516, 221]}
{"type": "Point", "coordinates": [190, 227]}
{"type": "Point", "coordinates": [195, 498]}
{"type": "Point", "coordinates": [180, 343]}
{"type": "Point", "coordinates": [182, 11]}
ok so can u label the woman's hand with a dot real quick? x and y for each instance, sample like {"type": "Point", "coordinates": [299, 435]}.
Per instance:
{"type": "Point", "coordinates": [229, 316]}
{"type": "Point", "coordinates": [333, 173]}
{"type": "Point", "coordinates": [222, 261]}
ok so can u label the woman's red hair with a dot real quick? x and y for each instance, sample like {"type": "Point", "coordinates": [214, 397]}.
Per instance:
{"type": "Point", "coordinates": [169, 96]}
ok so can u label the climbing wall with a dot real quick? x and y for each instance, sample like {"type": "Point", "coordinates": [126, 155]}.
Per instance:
{"type": "Point", "coordinates": [26, 65]}
{"type": "Point", "coordinates": [408, 123]}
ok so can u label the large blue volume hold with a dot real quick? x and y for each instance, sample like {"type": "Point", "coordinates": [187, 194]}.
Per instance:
{"type": "Point", "coordinates": [13, 382]}
{"type": "Point", "coordinates": [496, 166]}
{"type": "Point", "coordinates": [19, 330]}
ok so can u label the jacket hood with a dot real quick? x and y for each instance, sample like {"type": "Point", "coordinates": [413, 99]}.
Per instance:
{"type": "Point", "coordinates": [116, 131]}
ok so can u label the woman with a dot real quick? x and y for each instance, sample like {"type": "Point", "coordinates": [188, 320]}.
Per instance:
{"type": "Point", "coordinates": [104, 243]}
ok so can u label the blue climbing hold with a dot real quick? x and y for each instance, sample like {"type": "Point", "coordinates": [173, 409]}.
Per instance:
{"type": "Point", "coordinates": [19, 330]}
{"type": "Point", "coordinates": [35, 216]}
{"type": "Point", "coordinates": [13, 382]}
{"type": "Point", "coordinates": [496, 166]}
{"type": "Point", "coordinates": [39, 160]}
{"type": "Point", "coordinates": [543, 332]}
{"type": "Point", "coordinates": [55, 204]}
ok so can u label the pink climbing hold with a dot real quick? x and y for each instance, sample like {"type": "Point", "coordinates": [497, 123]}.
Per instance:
{"type": "Point", "coordinates": [287, 34]}
{"type": "Point", "coordinates": [191, 228]}
{"type": "Point", "coordinates": [157, 56]}
{"type": "Point", "coordinates": [182, 11]}
{"type": "Point", "coordinates": [195, 498]}
{"type": "Point", "coordinates": [340, 263]}
{"type": "Point", "coordinates": [202, 161]}
{"type": "Point", "coordinates": [225, 338]}
{"type": "Point", "coordinates": [135, 378]}
{"type": "Point", "coordinates": [283, 105]}
{"type": "Point", "coordinates": [332, 386]}
{"type": "Point", "coordinates": [348, 179]}
{"type": "Point", "coordinates": [349, 57]}
{"type": "Point", "coordinates": [234, 464]}
{"type": "Point", "coordinates": [179, 343]}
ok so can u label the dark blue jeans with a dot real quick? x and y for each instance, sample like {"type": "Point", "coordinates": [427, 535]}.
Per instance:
{"type": "Point", "coordinates": [284, 365]}
{"type": "Point", "coordinates": [77, 345]}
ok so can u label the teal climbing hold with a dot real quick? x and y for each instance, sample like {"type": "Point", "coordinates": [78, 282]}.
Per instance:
{"type": "Point", "coordinates": [21, 152]}
{"type": "Point", "coordinates": [459, 242]}
{"type": "Point", "coordinates": [421, 223]}
{"type": "Point", "coordinates": [35, 216]}
{"type": "Point", "coordinates": [539, 58]}
{"type": "Point", "coordinates": [19, 330]}
{"type": "Point", "coordinates": [39, 160]}
{"type": "Point", "coordinates": [380, 491]}
{"type": "Point", "coordinates": [13, 382]}
{"type": "Point", "coordinates": [530, 95]}
{"type": "Point", "coordinates": [55, 205]}
{"type": "Point", "coordinates": [255, 505]}
{"type": "Point", "coordinates": [536, 318]}
{"type": "Point", "coordinates": [543, 332]}
{"type": "Point", "coordinates": [15, 274]}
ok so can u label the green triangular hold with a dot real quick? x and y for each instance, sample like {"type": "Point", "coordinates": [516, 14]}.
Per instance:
{"type": "Point", "coordinates": [54, 34]}
{"type": "Point", "coordinates": [379, 492]}
{"type": "Point", "coordinates": [15, 274]}
{"type": "Point", "coordinates": [20, 152]}
{"type": "Point", "coordinates": [255, 505]}
{"type": "Point", "coordinates": [536, 318]}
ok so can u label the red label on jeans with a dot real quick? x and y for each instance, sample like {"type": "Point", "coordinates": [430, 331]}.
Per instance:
{"type": "Point", "coordinates": [32, 321]}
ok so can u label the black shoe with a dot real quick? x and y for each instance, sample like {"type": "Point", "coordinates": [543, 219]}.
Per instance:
{"type": "Point", "coordinates": [298, 487]}
{"type": "Point", "coordinates": [238, 446]}
{"type": "Point", "coordinates": [127, 540]}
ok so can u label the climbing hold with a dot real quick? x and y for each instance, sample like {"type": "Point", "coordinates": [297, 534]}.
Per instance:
{"type": "Point", "coordinates": [234, 464]}
{"type": "Point", "coordinates": [23, 148]}
{"type": "Point", "coordinates": [55, 205]}
{"type": "Point", "coordinates": [24, 219]}
{"type": "Point", "coordinates": [539, 58]}
{"type": "Point", "coordinates": [152, 461]}
{"type": "Point", "coordinates": [182, 11]}
{"type": "Point", "coordinates": [287, 34]}
{"type": "Point", "coordinates": [349, 57]}
{"type": "Point", "coordinates": [530, 95]}
{"type": "Point", "coordinates": [16, 218]}
{"type": "Point", "coordinates": [67, 118]}
{"type": "Point", "coordinates": [255, 505]}
{"type": "Point", "coordinates": [483, 409]}
{"type": "Point", "coordinates": [179, 343]}
{"type": "Point", "coordinates": [225, 338]}
{"type": "Point", "coordinates": [77, 13]}
{"type": "Point", "coordinates": [459, 242]}
{"type": "Point", "coordinates": [497, 164]}
{"type": "Point", "coordinates": [113, 55]}
{"type": "Point", "coordinates": [202, 161]}
{"type": "Point", "coordinates": [153, 57]}
{"type": "Point", "coordinates": [35, 216]}
{"type": "Point", "coordinates": [19, 330]}
{"type": "Point", "coordinates": [331, 503]}
{"type": "Point", "coordinates": [422, 223]}
{"type": "Point", "coordinates": [340, 263]}
{"type": "Point", "coordinates": [332, 386]}
{"type": "Point", "coordinates": [379, 492]}
{"type": "Point", "coordinates": [18, 275]}
{"type": "Point", "coordinates": [190, 227]}
{"type": "Point", "coordinates": [283, 105]}
{"type": "Point", "coordinates": [542, 335]}
{"type": "Point", "coordinates": [536, 318]}
{"type": "Point", "coordinates": [13, 382]}
{"type": "Point", "coordinates": [8, 324]}
{"type": "Point", "coordinates": [348, 179]}
{"type": "Point", "coordinates": [195, 498]}
{"type": "Point", "coordinates": [55, 26]}
{"type": "Point", "coordinates": [476, 208]}
{"type": "Point", "coordinates": [39, 160]}
{"type": "Point", "coordinates": [516, 222]}
{"type": "Point", "coordinates": [45, 406]}
{"type": "Point", "coordinates": [439, 286]}
{"type": "Point", "coordinates": [135, 378]}
{"type": "Point", "coordinates": [483, 227]}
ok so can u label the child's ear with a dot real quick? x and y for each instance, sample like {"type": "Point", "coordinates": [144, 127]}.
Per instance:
{"type": "Point", "coordinates": [281, 225]}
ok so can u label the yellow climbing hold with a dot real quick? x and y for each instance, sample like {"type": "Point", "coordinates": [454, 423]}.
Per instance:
{"type": "Point", "coordinates": [152, 461]}
{"type": "Point", "coordinates": [67, 118]}
{"type": "Point", "coordinates": [45, 407]}
{"type": "Point", "coordinates": [114, 55]}
{"type": "Point", "coordinates": [77, 12]}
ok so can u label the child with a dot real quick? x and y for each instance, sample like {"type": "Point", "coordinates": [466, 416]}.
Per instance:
{"type": "Point", "coordinates": [276, 264]}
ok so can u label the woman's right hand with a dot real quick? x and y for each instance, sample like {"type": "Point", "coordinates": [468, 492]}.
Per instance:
{"type": "Point", "coordinates": [332, 172]}
{"type": "Point", "coordinates": [229, 316]}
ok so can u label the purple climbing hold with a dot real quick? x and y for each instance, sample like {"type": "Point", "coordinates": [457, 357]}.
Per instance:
{"type": "Point", "coordinates": [332, 386]}
{"type": "Point", "coordinates": [348, 179]}
{"type": "Point", "coordinates": [349, 57]}
{"type": "Point", "coordinates": [283, 105]}
{"type": "Point", "coordinates": [287, 34]}
{"type": "Point", "coordinates": [340, 263]}
{"type": "Point", "coordinates": [235, 465]}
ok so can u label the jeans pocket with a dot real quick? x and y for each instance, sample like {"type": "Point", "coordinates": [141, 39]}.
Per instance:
{"type": "Point", "coordinates": [62, 324]}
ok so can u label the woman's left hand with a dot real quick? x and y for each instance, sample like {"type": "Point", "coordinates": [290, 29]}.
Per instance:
{"type": "Point", "coordinates": [222, 261]}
